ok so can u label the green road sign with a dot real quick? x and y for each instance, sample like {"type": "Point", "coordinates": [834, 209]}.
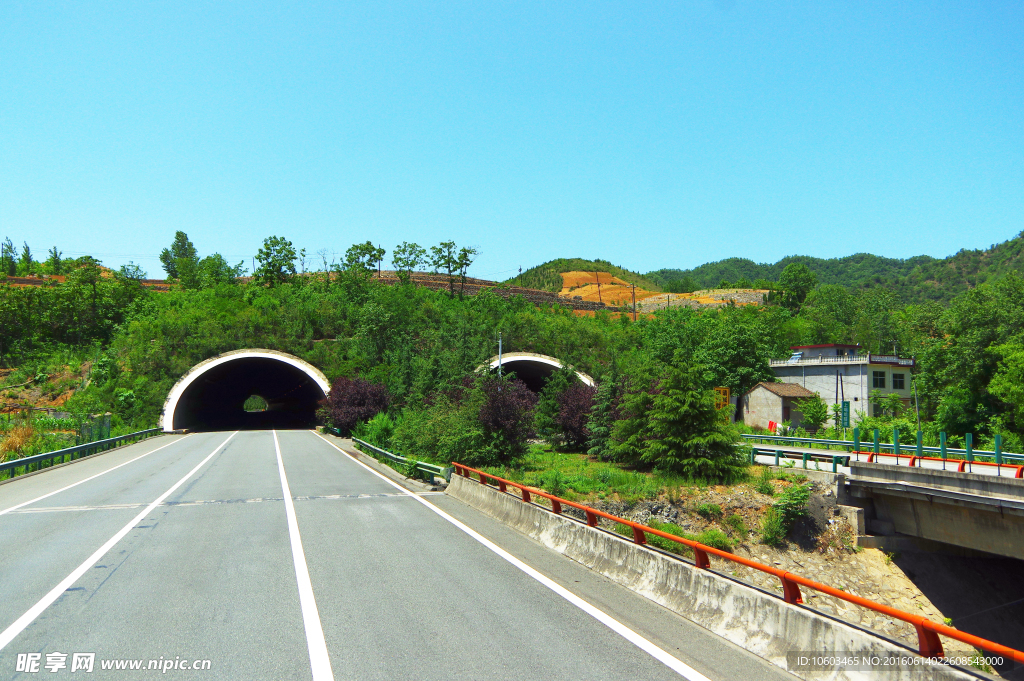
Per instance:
{"type": "Point", "coordinates": [846, 414]}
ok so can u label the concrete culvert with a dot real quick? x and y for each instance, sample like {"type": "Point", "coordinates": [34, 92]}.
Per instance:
{"type": "Point", "coordinates": [246, 390]}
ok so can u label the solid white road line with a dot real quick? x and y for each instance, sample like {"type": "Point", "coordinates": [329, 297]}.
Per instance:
{"type": "Point", "coordinates": [19, 625]}
{"type": "Point", "coordinates": [76, 484]}
{"type": "Point", "coordinates": [666, 658]}
{"type": "Point", "coordinates": [318, 658]}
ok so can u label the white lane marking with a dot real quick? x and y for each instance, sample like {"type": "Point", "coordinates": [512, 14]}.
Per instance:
{"type": "Point", "coordinates": [76, 484]}
{"type": "Point", "coordinates": [19, 625]}
{"type": "Point", "coordinates": [318, 658]}
{"type": "Point", "coordinates": [666, 658]}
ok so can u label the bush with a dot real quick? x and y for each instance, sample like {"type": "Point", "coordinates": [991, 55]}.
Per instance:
{"type": "Point", "coordinates": [574, 406]}
{"type": "Point", "coordinates": [773, 529]}
{"type": "Point", "coordinates": [377, 431]}
{"type": "Point", "coordinates": [792, 504]}
{"type": "Point", "coordinates": [714, 538]}
{"type": "Point", "coordinates": [735, 521]}
{"type": "Point", "coordinates": [352, 400]}
{"type": "Point", "coordinates": [709, 511]}
{"type": "Point", "coordinates": [763, 484]}
{"type": "Point", "coordinates": [506, 416]}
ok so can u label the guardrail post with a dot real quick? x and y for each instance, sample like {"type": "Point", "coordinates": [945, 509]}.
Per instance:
{"type": "Point", "coordinates": [778, 452]}
{"type": "Point", "coordinates": [896, 444]}
{"type": "Point", "coordinates": [969, 442]}
{"type": "Point", "coordinates": [638, 535]}
{"type": "Point", "coordinates": [942, 447]}
{"type": "Point", "coordinates": [753, 455]}
{"type": "Point", "coordinates": [502, 486]}
{"type": "Point", "coordinates": [700, 558]}
{"type": "Point", "coordinates": [999, 454]}
{"type": "Point", "coordinates": [920, 444]}
{"type": "Point", "coordinates": [876, 441]}
{"type": "Point", "coordinates": [856, 442]}
{"type": "Point", "coordinates": [591, 518]}
{"type": "Point", "coordinates": [556, 506]}
{"type": "Point", "coordinates": [928, 643]}
{"type": "Point", "coordinates": [483, 479]}
{"type": "Point", "coordinates": [806, 457]}
{"type": "Point", "coordinates": [790, 590]}
{"type": "Point", "coordinates": [526, 495]}
{"type": "Point", "coordinates": [835, 464]}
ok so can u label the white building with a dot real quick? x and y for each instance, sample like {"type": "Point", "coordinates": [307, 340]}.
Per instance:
{"type": "Point", "coordinates": [843, 372]}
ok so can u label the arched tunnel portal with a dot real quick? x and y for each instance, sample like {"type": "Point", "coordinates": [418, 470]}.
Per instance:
{"type": "Point", "coordinates": [532, 369]}
{"type": "Point", "coordinates": [212, 394]}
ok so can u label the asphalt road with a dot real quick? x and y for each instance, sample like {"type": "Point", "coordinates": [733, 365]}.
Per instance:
{"type": "Point", "coordinates": [186, 549]}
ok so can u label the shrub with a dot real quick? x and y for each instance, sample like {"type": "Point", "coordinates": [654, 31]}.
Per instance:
{"type": "Point", "coordinates": [352, 400]}
{"type": "Point", "coordinates": [763, 483]}
{"type": "Point", "coordinates": [506, 416]}
{"type": "Point", "coordinates": [792, 504]}
{"type": "Point", "coordinates": [735, 521]}
{"type": "Point", "coordinates": [574, 405]}
{"type": "Point", "coordinates": [715, 538]}
{"type": "Point", "coordinates": [709, 511]}
{"type": "Point", "coordinates": [377, 431]}
{"type": "Point", "coordinates": [773, 530]}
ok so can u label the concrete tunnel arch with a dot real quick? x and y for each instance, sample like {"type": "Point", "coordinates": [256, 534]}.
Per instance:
{"type": "Point", "coordinates": [210, 395]}
{"type": "Point", "coordinates": [532, 368]}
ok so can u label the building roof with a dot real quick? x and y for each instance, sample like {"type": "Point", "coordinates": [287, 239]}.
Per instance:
{"type": "Point", "coordinates": [826, 345]}
{"type": "Point", "coordinates": [784, 389]}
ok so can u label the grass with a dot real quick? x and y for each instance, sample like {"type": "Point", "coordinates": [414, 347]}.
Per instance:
{"type": "Point", "coordinates": [575, 476]}
{"type": "Point", "coordinates": [712, 537]}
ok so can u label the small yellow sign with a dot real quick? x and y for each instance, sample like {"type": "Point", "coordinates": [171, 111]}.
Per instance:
{"type": "Point", "coordinates": [722, 396]}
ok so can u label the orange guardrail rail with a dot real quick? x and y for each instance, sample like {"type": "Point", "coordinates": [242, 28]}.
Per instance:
{"type": "Point", "coordinates": [962, 464]}
{"type": "Point", "coordinates": [929, 644]}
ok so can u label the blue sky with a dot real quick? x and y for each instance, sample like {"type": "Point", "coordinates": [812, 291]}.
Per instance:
{"type": "Point", "coordinates": [649, 134]}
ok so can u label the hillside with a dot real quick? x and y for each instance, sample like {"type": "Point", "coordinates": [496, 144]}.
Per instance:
{"type": "Point", "coordinates": [917, 279]}
{"type": "Point", "coordinates": [548, 277]}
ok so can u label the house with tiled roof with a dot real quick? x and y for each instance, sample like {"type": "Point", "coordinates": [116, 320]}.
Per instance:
{"type": "Point", "coordinates": [773, 402]}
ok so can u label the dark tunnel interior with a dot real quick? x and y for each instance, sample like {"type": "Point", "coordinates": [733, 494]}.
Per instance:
{"type": "Point", "coordinates": [215, 399]}
{"type": "Point", "coordinates": [534, 374]}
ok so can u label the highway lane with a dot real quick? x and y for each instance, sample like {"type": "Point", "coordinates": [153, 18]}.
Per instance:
{"type": "Point", "coordinates": [399, 591]}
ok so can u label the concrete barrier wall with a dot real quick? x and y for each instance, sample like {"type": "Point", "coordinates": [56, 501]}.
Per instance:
{"type": "Point", "coordinates": [967, 483]}
{"type": "Point", "coordinates": [763, 624]}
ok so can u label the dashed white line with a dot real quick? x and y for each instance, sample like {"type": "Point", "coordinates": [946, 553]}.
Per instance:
{"type": "Point", "coordinates": [652, 649]}
{"type": "Point", "coordinates": [92, 477]}
{"type": "Point", "coordinates": [318, 657]}
{"type": "Point", "coordinates": [22, 622]}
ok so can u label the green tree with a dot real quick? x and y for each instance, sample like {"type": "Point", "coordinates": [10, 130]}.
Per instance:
{"type": "Point", "coordinates": [53, 263]}
{"type": "Point", "coordinates": [182, 255]}
{"type": "Point", "coordinates": [462, 263]}
{"type": "Point", "coordinates": [406, 259]}
{"type": "Point", "coordinates": [814, 410]}
{"type": "Point", "coordinates": [362, 259]}
{"type": "Point", "coordinates": [685, 432]}
{"type": "Point", "coordinates": [214, 269]}
{"type": "Point", "coordinates": [546, 412]}
{"type": "Point", "coordinates": [27, 264]}
{"type": "Point", "coordinates": [797, 281]}
{"type": "Point", "coordinates": [445, 258]}
{"type": "Point", "coordinates": [602, 418]}
{"type": "Point", "coordinates": [8, 261]}
{"type": "Point", "coordinates": [276, 261]}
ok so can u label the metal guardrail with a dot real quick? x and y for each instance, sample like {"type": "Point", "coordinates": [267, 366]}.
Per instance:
{"type": "Point", "coordinates": [76, 452]}
{"type": "Point", "coordinates": [917, 450]}
{"type": "Point", "coordinates": [411, 467]}
{"type": "Point", "coordinates": [929, 644]}
{"type": "Point", "coordinates": [835, 459]}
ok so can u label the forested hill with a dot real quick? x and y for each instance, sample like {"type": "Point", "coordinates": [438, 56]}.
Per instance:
{"type": "Point", "coordinates": [917, 279]}
{"type": "Point", "coordinates": [547, 276]}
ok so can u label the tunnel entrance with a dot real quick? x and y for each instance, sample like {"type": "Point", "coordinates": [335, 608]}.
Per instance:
{"type": "Point", "coordinates": [246, 390]}
{"type": "Point", "coordinates": [532, 369]}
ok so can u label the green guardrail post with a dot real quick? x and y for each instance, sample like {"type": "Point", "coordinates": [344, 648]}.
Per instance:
{"type": "Point", "coordinates": [942, 447]}
{"type": "Point", "coordinates": [753, 455]}
{"type": "Point", "coordinates": [896, 444]}
{"type": "Point", "coordinates": [999, 453]}
{"type": "Point", "coordinates": [920, 445]}
{"type": "Point", "coordinates": [856, 442]}
{"type": "Point", "coordinates": [806, 457]}
{"type": "Point", "coordinates": [778, 453]}
{"type": "Point", "coordinates": [969, 446]}
{"type": "Point", "coordinates": [876, 440]}
{"type": "Point", "coordinates": [835, 464]}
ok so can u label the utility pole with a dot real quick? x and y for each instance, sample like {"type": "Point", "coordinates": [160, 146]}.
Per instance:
{"type": "Point", "coordinates": [499, 354]}
{"type": "Point", "coordinates": [634, 302]}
